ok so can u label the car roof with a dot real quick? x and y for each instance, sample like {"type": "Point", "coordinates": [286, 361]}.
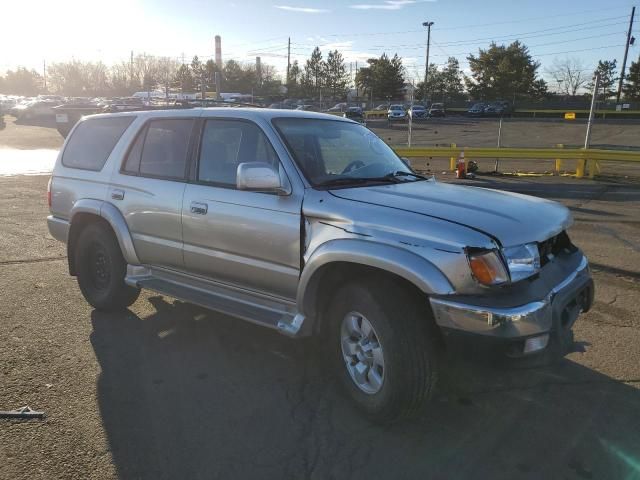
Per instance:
{"type": "Point", "coordinates": [226, 112]}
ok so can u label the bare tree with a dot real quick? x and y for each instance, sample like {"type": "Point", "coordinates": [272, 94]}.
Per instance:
{"type": "Point", "coordinates": [570, 75]}
{"type": "Point", "coordinates": [167, 68]}
{"type": "Point", "coordinates": [119, 79]}
{"type": "Point", "coordinates": [145, 71]}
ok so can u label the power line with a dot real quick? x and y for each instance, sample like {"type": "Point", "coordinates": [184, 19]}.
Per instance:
{"type": "Point", "coordinates": [560, 53]}
{"type": "Point", "coordinates": [515, 36]}
{"type": "Point", "coordinates": [517, 20]}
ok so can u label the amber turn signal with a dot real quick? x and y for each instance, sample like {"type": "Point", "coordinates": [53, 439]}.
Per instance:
{"type": "Point", "coordinates": [487, 268]}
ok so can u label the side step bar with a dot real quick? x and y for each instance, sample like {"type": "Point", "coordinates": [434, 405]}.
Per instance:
{"type": "Point", "coordinates": [258, 309]}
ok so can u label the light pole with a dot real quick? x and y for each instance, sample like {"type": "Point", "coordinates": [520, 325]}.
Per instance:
{"type": "Point", "coordinates": [426, 67]}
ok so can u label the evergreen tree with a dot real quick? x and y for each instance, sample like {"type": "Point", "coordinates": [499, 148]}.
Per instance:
{"type": "Point", "coordinates": [632, 83]}
{"type": "Point", "coordinates": [336, 74]}
{"type": "Point", "coordinates": [608, 78]}
{"type": "Point", "coordinates": [383, 77]}
{"type": "Point", "coordinates": [184, 79]}
{"type": "Point", "coordinates": [315, 69]}
{"type": "Point", "coordinates": [504, 72]}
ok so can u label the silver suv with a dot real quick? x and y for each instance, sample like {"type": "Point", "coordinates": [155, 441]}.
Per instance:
{"type": "Point", "coordinates": [311, 225]}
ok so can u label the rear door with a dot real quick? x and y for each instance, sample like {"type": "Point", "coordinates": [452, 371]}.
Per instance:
{"type": "Point", "coordinates": [149, 186]}
{"type": "Point", "coordinates": [248, 239]}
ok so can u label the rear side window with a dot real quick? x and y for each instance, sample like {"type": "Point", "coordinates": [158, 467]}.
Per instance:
{"type": "Point", "coordinates": [164, 151]}
{"type": "Point", "coordinates": [92, 142]}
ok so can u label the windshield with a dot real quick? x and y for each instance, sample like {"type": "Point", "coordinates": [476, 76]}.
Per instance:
{"type": "Point", "coordinates": [396, 107]}
{"type": "Point", "coordinates": [328, 151]}
{"type": "Point", "coordinates": [418, 107]}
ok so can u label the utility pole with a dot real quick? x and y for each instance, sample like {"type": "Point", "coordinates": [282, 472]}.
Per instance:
{"type": "Point", "coordinates": [44, 74]}
{"type": "Point", "coordinates": [596, 85]}
{"type": "Point", "coordinates": [131, 68]}
{"type": "Point", "coordinates": [288, 61]}
{"type": "Point", "coordinates": [356, 83]}
{"type": "Point", "coordinates": [426, 67]}
{"type": "Point", "coordinates": [626, 51]}
{"type": "Point", "coordinates": [411, 115]}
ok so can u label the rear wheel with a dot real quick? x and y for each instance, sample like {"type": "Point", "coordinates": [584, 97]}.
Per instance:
{"type": "Point", "coordinates": [101, 269]}
{"type": "Point", "coordinates": [384, 346]}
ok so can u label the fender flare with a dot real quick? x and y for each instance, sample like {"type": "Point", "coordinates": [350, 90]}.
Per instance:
{"type": "Point", "coordinates": [413, 268]}
{"type": "Point", "coordinates": [114, 218]}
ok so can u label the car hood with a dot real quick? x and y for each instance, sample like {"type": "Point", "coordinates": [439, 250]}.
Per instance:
{"type": "Point", "coordinates": [508, 217]}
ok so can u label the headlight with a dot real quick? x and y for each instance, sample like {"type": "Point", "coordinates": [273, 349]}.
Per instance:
{"type": "Point", "coordinates": [522, 260]}
{"type": "Point", "coordinates": [487, 267]}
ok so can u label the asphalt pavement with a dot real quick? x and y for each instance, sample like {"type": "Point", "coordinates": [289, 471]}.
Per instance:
{"type": "Point", "coordinates": [169, 390]}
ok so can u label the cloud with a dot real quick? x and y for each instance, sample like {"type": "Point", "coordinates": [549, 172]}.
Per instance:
{"type": "Point", "coordinates": [290, 8]}
{"type": "Point", "coordinates": [388, 4]}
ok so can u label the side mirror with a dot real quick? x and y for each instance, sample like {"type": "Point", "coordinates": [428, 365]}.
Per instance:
{"type": "Point", "coordinates": [259, 177]}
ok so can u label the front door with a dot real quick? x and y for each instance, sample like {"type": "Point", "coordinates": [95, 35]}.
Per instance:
{"type": "Point", "coordinates": [243, 238]}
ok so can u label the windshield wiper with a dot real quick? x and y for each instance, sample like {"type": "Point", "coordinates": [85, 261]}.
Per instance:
{"type": "Point", "coordinates": [343, 181]}
{"type": "Point", "coordinates": [402, 173]}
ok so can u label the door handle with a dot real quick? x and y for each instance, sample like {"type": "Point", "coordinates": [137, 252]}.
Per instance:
{"type": "Point", "coordinates": [199, 208]}
{"type": "Point", "coordinates": [117, 194]}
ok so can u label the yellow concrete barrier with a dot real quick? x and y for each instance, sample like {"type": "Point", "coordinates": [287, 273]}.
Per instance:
{"type": "Point", "coordinates": [558, 161]}
{"type": "Point", "coordinates": [452, 160]}
{"type": "Point", "coordinates": [558, 154]}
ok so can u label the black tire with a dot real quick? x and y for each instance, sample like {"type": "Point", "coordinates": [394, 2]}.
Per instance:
{"type": "Point", "coordinates": [101, 269]}
{"type": "Point", "coordinates": [405, 329]}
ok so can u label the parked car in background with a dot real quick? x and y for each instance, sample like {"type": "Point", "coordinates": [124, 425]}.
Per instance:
{"type": "Point", "coordinates": [7, 103]}
{"type": "Point", "coordinates": [308, 108]}
{"type": "Point", "coordinates": [34, 109]}
{"type": "Point", "coordinates": [316, 229]}
{"type": "Point", "coordinates": [338, 107]}
{"type": "Point", "coordinates": [382, 107]}
{"type": "Point", "coordinates": [354, 113]}
{"type": "Point", "coordinates": [498, 109]}
{"type": "Point", "coordinates": [396, 112]}
{"type": "Point", "coordinates": [418, 112]}
{"type": "Point", "coordinates": [437, 110]}
{"type": "Point", "coordinates": [477, 110]}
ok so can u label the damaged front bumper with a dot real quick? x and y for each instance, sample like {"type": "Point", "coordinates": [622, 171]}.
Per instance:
{"type": "Point", "coordinates": [526, 328]}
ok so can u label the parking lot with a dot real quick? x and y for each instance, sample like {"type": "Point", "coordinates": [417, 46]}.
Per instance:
{"type": "Point", "coordinates": [169, 390]}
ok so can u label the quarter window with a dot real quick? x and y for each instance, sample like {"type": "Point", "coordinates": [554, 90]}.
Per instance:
{"type": "Point", "coordinates": [132, 164]}
{"type": "Point", "coordinates": [92, 142]}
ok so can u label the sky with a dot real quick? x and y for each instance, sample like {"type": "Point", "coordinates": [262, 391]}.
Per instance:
{"type": "Point", "coordinates": [38, 31]}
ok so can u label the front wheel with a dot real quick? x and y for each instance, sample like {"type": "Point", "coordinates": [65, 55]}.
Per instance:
{"type": "Point", "coordinates": [384, 348]}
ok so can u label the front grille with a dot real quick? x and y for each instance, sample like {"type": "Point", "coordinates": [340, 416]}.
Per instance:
{"type": "Point", "coordinates": [554, 246]}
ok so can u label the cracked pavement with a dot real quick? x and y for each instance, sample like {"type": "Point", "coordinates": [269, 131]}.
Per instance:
{"type": "Point", "coordinates": [169, 390]}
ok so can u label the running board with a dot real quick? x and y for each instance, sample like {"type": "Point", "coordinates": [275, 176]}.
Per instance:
{"type": "Point", "coordinates": [260, 309]}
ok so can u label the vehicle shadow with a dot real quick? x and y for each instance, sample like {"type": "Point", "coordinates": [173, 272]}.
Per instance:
{"type": "Point", "coordinates": [48, 121]}
{"type": "Point", "coordinates": [186, 393]}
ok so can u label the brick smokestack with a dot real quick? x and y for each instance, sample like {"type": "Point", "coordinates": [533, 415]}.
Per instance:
{"type": "Point", "coordinates": [218, 51]}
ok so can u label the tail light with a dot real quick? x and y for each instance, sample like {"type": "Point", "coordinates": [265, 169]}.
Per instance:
{"type": "Point", "coordinates": [49, 193]}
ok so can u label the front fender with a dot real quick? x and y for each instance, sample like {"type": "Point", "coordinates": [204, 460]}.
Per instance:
{"type": "Point", "coordinates": [112, 215]}
{"type": "Point", "coordinates": [417, 270]}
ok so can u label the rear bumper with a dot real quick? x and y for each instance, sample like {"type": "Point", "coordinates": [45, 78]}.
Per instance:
{"type": "Point", "coordinates": [555, 314]}
{"type": "Point", "coordinates": [58, 228]}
